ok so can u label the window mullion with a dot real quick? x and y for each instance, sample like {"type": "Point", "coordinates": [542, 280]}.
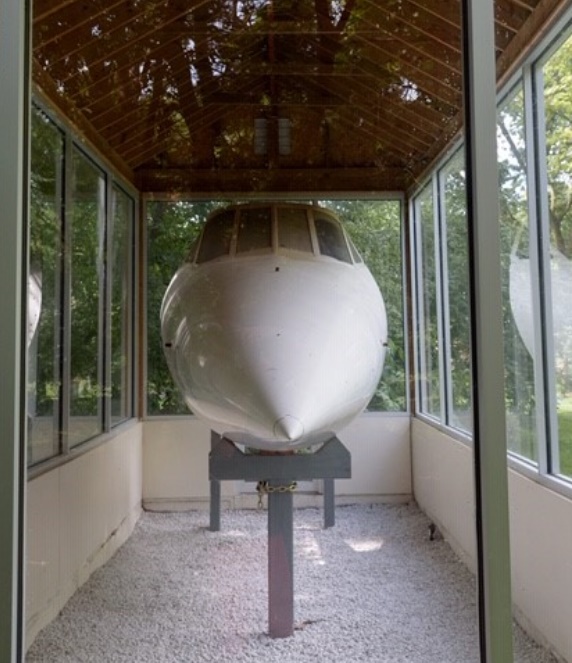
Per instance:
{"type": "Point", "coordinates": [534, 163]}
{"type": "Point", "coordinates": [67, 240]}
{"type": "Point", "coordinates": [544, 327]}
{"type": "Point", "coordinates": [440, 299]}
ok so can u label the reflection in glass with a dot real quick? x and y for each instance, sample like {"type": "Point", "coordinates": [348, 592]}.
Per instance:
{"type": "Point", "coordinates": [121, 268]}
{"type": "Point", "coordinates": [429, 377]}
{"type": "Point", "coordinates": [44, 378]}
{"type": "Point", "coordinates": [518, 320]}
{"type": "Point", "coordinates": [557, 87]}
{"type": "Point", "coordinates": [453, 182]}
{"type": "Point", "coordinates": [87, 220]}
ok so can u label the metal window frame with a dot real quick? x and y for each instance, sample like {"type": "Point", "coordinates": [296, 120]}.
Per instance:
{"type": "Point", "coordinates": [423, 396]}
{"type": "Point", "coordinates": [14, 176]}
{"type": "Point", "coordinates": [129, 314]}
{"type": "Point", "coordinates": [69, 144]}
{"type": "Point", "coordinates": [445, 316]}
{"type": "Point", "coordinates": [56, 437]}
{"type": "Point", "coordinates": [489, 432]}
{"type": "Point", "coordinates": [533, 164]}
{"type": "Point", "coordinates": [102, 336]}
{"type": "Point", "coordinates": [544, 346]}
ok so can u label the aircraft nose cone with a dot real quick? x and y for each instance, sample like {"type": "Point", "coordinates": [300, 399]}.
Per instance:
{"type": "Point", "coordinates": [289, 428]}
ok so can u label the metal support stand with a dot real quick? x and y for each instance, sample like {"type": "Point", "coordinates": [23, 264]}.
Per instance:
{"type": "Point", "coordinates": [227, 462]}
{"type": "Point", "coordinates": [329, 503]}
{"type": "Point", "coordinates": [215, 493]}
{"type": "Point", "coordinates": [280, 563]}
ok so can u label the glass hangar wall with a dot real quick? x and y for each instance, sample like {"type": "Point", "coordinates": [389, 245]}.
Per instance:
{"type": "Point", "coordinates": [535, 188]}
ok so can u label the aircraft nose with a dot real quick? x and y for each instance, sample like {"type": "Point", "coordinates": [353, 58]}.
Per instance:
{"type": "Point", "coordinates": [289, 428]}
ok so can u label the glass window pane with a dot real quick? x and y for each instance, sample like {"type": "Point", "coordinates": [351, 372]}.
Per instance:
{"type": "Point", "coordinates": [374, 226]}
{"type": "Point", "coordinates": [171, 228]}
{"type": "Point", "coordinates": [355, 253]}
{"type": "Point", "coordinates": [518, 319]}
{"type": "Point", "coordinates": [44, 379]}
{"type": "Point", "coordinates": [293, 229]}
{"type": "Point", "coordinates": [429, 378]}
{"type": "Point", "coordinates": [458, 295]}
{"type": "Point", "coordinates": [121, 269]}
{"type": "Point", "coordinates": [87, 230]}
{"type": "Point", "coordinates": [331, 239]}
{"type": "Point", "coordinates": [254, 229]}
{"type": "Point", "coordinates": [217, 237]}
{"type": "Point", "coordinates": [558, 125]}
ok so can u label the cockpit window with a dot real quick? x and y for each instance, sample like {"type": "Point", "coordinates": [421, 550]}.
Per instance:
{"type": "Point", "coordinates": [293, 229]}
{"type": "Point", "coordinates": [254, 229]}
{"type": "Point", "coordinates": [192, 251]}
{"type": "Point", "coordinates": [331, 239]}
{"type": "Point", "coordinates": [217, 237]}
{"type": "Point", "coordinates": [355, 254]}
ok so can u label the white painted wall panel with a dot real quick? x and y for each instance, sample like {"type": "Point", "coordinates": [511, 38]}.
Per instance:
{"type": "Point", "coordinates": [175, 461]}
{"type": "Point", "coordinates": [443, 486]}
{"type": "Point", "coordinates": [381, 456]}
{"type": "Point", "coordinates": [540, 530]}
{"type": "Point", "coordinates": [78, 515]}
{"type": "Point", "coordinates": [541, 543]}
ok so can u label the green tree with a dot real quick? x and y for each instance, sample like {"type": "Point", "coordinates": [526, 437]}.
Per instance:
{"type": "Point", "coordinates": [375, 227]}
{"type": "Point", "coordinates": [171, 230]}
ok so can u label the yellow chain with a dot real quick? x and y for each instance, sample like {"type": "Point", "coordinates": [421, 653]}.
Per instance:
{"type": "Point", "coordinates": [262, 488]}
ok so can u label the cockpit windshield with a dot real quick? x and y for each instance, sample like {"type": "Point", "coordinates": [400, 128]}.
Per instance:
{"type": "Point", "coordinates": [254, 229]}
{"type": "Point", "coordinates": [331, 239]}
{"type": "Point", "coordinates": [217, 236]}
{"type": "Point", "coordinates": [247, 229]}
{"type": "Point", "coordinates": [293, 229]}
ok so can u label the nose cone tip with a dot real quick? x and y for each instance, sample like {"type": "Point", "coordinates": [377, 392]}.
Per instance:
{"type": "Point", "coordinates": [289, 428]}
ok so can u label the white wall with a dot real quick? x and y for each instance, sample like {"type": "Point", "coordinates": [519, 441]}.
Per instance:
{"type": "Point", "coordinates": [175, 463]}
{"type": "Point", "coordinates": [443, 486]}
{"type": "Point", "coordinates": [540, 530]}
{"type": "Point", "coordinates": [78, 515]}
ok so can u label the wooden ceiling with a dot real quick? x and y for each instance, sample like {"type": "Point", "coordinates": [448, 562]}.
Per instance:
{"type": "Point", "coordinates": [170, 91]}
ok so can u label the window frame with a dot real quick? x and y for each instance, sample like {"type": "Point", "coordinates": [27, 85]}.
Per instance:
{"type": "Point", "coordinates": [546, 470]}
{"type": "Point", "coordinates": [108, 430]}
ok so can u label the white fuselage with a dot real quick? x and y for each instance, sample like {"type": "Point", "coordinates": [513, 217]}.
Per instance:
{"type": "Point", "coordinates": [277, 350]}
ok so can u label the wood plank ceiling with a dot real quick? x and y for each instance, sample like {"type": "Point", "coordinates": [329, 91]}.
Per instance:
{"type": "Point", "coordinates": [347, 95]}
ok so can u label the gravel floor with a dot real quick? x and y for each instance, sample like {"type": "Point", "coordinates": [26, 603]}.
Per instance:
{"type": "Point", "coordinates": [373, 588]}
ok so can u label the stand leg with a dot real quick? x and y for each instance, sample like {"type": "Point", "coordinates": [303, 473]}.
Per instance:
{"type": "Point", "coordinates": [280, 563]}
{"type": "Point", "coordinates": [329, 504]}
{"type": "Point", "coordinates": [215, 493]}
{"type": "Point", "coordinates": [214, 525]}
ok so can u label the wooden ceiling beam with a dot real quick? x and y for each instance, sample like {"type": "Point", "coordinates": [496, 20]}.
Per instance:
{"type": "Point", "coordinates": [531, 32]}
{"type": "Point", "coordinates": [186, 182]}
{"type": "Point", "coordinates": [42, 9]}
{"type": "Point", "coordinates": [529, 6]}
